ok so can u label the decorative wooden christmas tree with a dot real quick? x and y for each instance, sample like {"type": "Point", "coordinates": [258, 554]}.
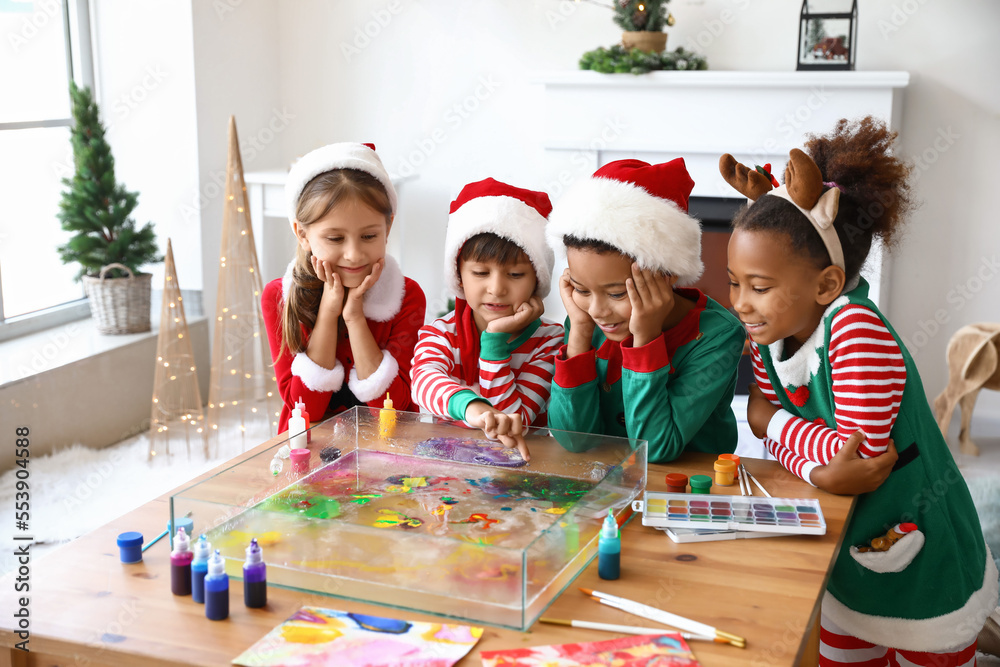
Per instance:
{"type": "Point", "coordinates": [177, 413]}
{"type": "Point", "coordinates": [243, 394]}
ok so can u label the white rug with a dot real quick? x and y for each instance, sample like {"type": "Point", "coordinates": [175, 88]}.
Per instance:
{"type": "Point", "coordinates": [77, 489]}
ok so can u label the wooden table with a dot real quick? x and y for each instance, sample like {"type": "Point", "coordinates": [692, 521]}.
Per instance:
{"type": "Point", "coordinates": [88, 609]}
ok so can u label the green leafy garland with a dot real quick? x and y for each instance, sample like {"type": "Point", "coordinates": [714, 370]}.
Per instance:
{"type": "Point", "coordinates": [621, 60]}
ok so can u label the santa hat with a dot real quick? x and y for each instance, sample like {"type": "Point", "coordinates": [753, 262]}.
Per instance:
{"type": "Point", "coordinates": [345, 155]}
{"type": "Point", "coordinates": [640, 209]}
{"type": "Point", "coordinates": [515, 214]}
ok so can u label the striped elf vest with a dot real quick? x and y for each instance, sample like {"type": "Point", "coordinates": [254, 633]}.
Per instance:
{"type": "Point", "coordinates": [925, 597]}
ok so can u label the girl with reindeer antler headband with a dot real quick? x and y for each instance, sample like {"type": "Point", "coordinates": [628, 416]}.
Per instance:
{"type": "Point", "coordinates": [829, 365]}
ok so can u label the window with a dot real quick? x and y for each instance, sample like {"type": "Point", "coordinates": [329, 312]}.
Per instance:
{"type": "Point", "coordinates": [47, 44]}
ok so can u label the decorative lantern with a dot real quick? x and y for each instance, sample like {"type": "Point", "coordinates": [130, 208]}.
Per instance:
{"type": "Point", "coordinates": [828, 32]}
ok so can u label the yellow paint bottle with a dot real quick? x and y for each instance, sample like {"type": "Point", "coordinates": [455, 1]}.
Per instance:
{"type": "Point", "coordinates": [387, 419]}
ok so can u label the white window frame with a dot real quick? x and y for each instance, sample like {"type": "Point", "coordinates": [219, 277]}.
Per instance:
{"type": "Point", "coordinates": [80, 68]}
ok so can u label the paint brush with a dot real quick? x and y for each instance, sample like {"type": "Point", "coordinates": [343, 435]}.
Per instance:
{"type": "Point", "coordinates": [756, 483]}
{"type": "Point", "coordinates": [744, 482]}
{"type": "Point", "coordinates": [155, 540]}
{"type": "Point", "coordinates": [665, 617]}
{"type": "Point", "coordinates": [738, 642]}
{"type": "Point", "coordinates": [628, 629]}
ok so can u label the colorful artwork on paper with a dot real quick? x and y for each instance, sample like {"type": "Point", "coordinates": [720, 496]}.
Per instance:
{"type": "Point", "coordinates": [318, 637]}
{"type": "Point", "coordinates": [667, 650]}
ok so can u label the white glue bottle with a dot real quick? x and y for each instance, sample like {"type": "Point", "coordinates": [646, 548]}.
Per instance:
{"type": "Point", "coordinates": [297, 430]}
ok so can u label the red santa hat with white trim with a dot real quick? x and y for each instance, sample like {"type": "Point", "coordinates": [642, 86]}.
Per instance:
{"type": "Point", "coordinates": [639, 208]}
{"type": "Point", "coordinates": [515, 214]}
{"type": "Point", "coordinates": [345, 155]}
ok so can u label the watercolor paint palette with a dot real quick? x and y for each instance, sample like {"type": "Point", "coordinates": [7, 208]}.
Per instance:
{"type": "Point", "coordinates": [784, 516]}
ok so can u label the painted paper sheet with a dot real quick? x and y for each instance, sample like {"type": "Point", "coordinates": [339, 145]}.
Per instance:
{"type": "Point", "coordinates": [318, 637]}
{"type": "Point", "coordinates": [668, 650]}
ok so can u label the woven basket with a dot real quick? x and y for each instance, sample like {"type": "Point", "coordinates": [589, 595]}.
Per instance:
{"type": "Point", "coordinates": [645, 40]}
{"type": "Point", "coordinates": [119, 305]}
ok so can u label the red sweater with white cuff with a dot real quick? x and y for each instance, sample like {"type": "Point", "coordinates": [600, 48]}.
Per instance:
{"type": "Point", "coordinates": [454, 365]}
{"type": "Point", "coordinates": [869, 375]}
{"type": "Point", "coordinates": [394, 308]}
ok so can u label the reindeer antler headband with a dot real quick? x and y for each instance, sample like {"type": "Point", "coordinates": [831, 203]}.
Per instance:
{"type": "Point", "coordinates": [803, 188]}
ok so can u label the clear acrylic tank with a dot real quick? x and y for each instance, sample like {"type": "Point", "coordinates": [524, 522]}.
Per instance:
{"type": "Point", "coordinates": [421, 514]}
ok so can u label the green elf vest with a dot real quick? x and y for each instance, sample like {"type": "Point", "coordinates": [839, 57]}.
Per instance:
{"type": "Point", "coordinates": [930, 597]}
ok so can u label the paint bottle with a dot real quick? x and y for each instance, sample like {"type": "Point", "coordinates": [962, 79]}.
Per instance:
{"type": "Point", "coordinates": [199, 568]}
{"type": "Point", "coordinates": [725, 472]}
{"type": "Point", "coordinates": [254, 577]}
{"type": "Point", "coordinates": [276, 465]}
{"type": "Point", "coordinates": [387, 419]}
{"type": "Point", "coordinates": [297, 430]}
{"type": "Point", "coordinates": [180, 564]}
{"type": "Point", "coordinates": [300, 404]}
{"type": "Point", "coordinates": [300, 461]}
{"type": "Point", "coordinates": [216, 589]}
{"type": "Point", "coordinates": [701, 484]}
{"type": "Point", "coordinates": [734, 458]}
{"type": "Point", "coordinates": [609, 550]}
{"type": "Point", "coordinates": [677, 482]}
{"type": "Point", "coordinates": [130, 547]}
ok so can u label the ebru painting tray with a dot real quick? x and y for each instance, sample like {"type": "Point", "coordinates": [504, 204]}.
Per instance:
{"type": "Point", "coordinates": [791, 516]}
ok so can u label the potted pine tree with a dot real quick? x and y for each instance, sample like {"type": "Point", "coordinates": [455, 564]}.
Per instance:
{"type": "Point", "coordinates": [643, 22]}
{"type": "Point", "coordinates": [105, 241]}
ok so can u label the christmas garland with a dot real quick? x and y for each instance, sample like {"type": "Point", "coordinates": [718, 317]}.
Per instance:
{"type": "Point", "coordinates": [621, 60]}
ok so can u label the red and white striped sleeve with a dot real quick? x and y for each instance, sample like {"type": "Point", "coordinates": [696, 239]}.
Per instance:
{"type": "Point", "coordinates": [433, 371]}
{"type": "Point", "coordinates": [869, 375]}
{"type": "Point", "coordinates": [521, 383]}
{"type": "Point", "coordinates": [785, 456]}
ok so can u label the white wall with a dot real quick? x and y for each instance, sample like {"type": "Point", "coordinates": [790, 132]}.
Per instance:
{"type": "Point", "coordinates": [397, 86]}
{"type": "Point", "coordinates": [236, 60]}
{"type": "Point", "coordinates": [144, 68]}
{"type": "Point", "coordinates": [443, 89]}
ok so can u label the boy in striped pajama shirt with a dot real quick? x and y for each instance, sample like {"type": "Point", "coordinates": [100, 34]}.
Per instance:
{"type": "Point", "coordinates": [489, 362]}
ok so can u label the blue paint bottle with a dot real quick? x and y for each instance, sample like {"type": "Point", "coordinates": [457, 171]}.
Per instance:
{"type": "Point", "coordinates": [609, 550]}
{"type": "Point", "coordinates": [199, 568]}
{"type": "Point", "coordinates": [216, 589]}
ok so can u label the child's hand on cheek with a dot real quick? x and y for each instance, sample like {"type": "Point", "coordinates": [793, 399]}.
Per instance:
{"type": "Point", "coordinates": [652, 297]}
{"type": "Point", "coordinates": [524, 314]}
{"type": "Point", "coordinates": [578, 317]}
{"type": "Point", "coordinates": [759, 411]}
{"type": "Point", "coordinates": [332, 301]}
{"type": "Point", "coordinates": [581, 326]}
{"type": "Point", "coordinates": [354, 304]}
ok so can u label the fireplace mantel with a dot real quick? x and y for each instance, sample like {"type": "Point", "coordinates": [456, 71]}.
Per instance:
{"type": "Point", "coordinates": [756, 116]}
